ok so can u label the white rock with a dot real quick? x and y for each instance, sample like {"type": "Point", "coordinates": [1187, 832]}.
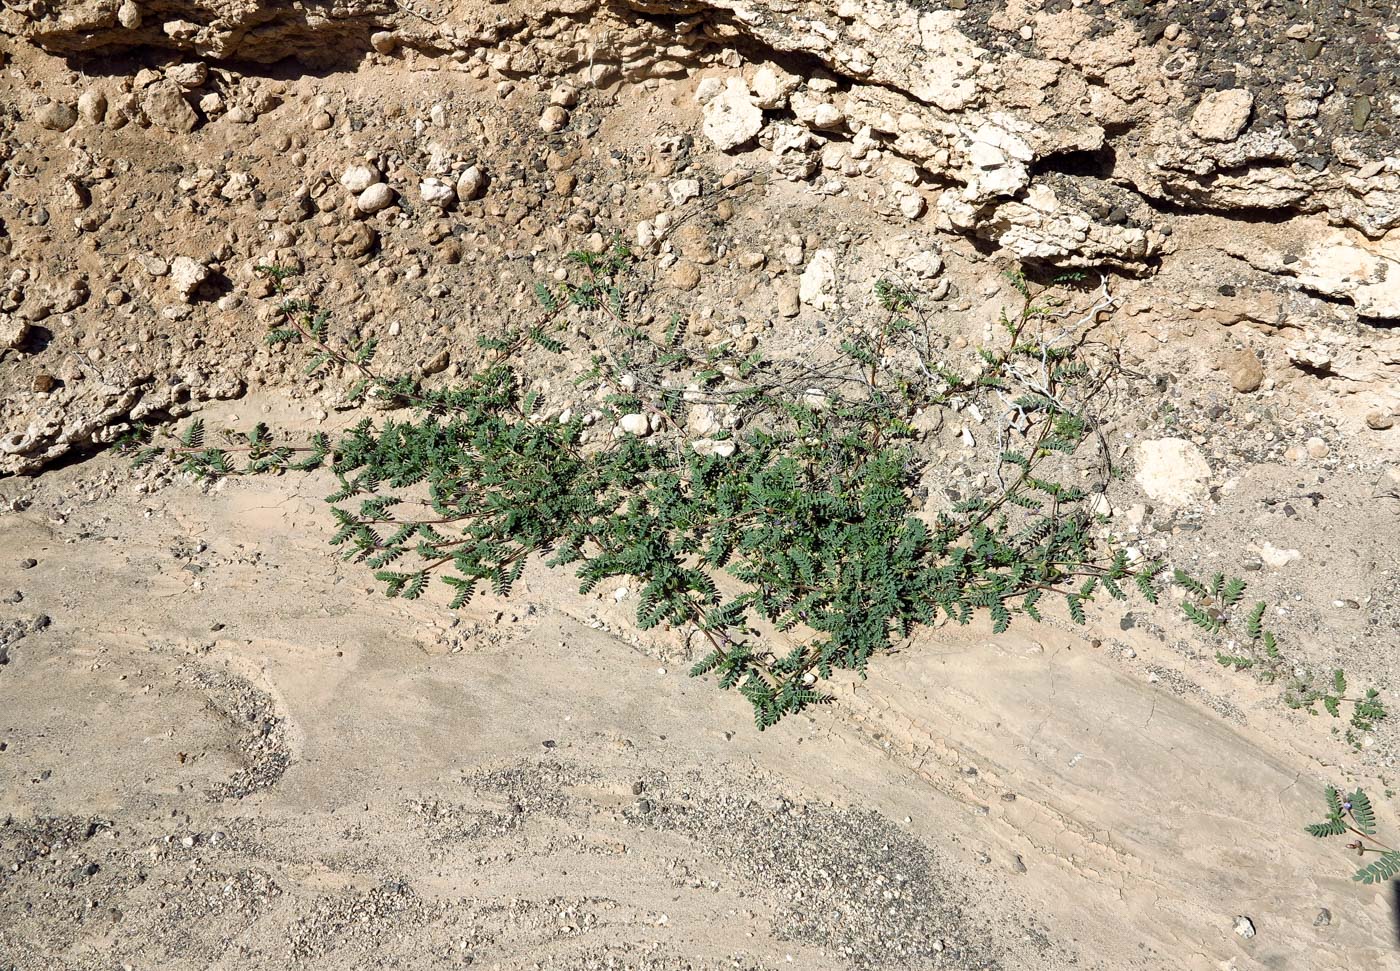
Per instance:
{"type": "Point", "coordinates": [634, 424]}
{"type": "Point", "coordinates": [186, 275]}
{"type": "Point", "coordinates": [165, 105]}
{"type": "Point", "coordinates": [1222, 115]}
{"type": "Point", "coordinates": [828, 116]}
{"type": "Point", "coordinates": [817, 279]}
{"type": "Point", "coordinates": [471, 183]}
{"type": "Point", "coordinates": [564, 95]}
{"type": "Point", "coordinates": [1347, 265]}
{"type": "Point", "coordinates": [13, 332]}
{"type": "Point", "coordinates": [1172, 471]}
{"type": "Point", "coordinates": [681, 192]}
{"type": "Point", "coordinates": [1276, 558]}
{"type": "Point", "coordinates": [553, 119]}
{"type": "Point", "coordinates": [190, 74]}
{"type": "Point", "coordinates": [436, 192]}
{"type": "Point", "coordinates": [707, 89]}
{"type": "Point", "coordinates": [92, 106]}
{"type": "Point", "coordinates": [912, 205]}
{"type": "Point", "coordinates": [771, 87]}
{"type": "Point", "coordinates": [375, 198]}
{"type": "Point", "coordinates": [925, 265]}
{"type": "Point", "coordinates": [358, 178]}
{"type": "Point", "coordinates": [1244, 927]}
{"type": "Point", "coordinates": [732, 118]}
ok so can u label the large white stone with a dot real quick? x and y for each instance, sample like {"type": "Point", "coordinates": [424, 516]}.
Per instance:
{"type": "Point", "coordinates": [1172, 471]}
{"type": "Point", "coordinates": [1222, 115]}
{"type": "Point", "coordinates": [814, 287]}
{"type": "Point", "coordinates": [732, 118]}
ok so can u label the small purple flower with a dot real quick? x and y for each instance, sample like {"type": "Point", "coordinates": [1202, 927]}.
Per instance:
{"type": "Point", "coordinates": [1346, 806]}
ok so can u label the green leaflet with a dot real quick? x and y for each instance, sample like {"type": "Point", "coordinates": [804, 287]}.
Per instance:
{"type": "Point", "coordinates": [1381, 870]}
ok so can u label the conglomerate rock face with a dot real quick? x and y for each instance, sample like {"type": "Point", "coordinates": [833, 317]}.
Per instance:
{"type": "Point", "coordinates": [1213, 106]}
{"type": "Point", "coordinates": [1074, 136]}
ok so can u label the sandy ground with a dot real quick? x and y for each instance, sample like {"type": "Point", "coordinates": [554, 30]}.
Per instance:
{"type": "Point", "coordinates": [221, 749]}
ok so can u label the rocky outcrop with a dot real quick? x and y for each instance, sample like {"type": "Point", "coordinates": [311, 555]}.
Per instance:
{"type": "Point", "coordinates": [989, 104]}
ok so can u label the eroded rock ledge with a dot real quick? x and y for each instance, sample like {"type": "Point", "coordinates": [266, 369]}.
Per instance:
{"type": "Point", "coordinates": [1065, 137]}
{"type": "Point", "coordinates": [1071, 137]}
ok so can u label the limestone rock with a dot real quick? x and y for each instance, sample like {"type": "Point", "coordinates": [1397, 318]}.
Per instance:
{"type": "Point", "coordinates": [13, 332]}
{"type": "Point", "coordinates": [471, 183]}
{"type": "Point", "coordinates": [732, 118]}
{"type": "Point", "coordinates": [188, 75]}
{"type": "Point", "coordinates": [165, 106]}
{"type": "Point", "coordinates": [375, 198]}
{"type": "Point", "coordinates": [1222, 115]}
{"type": "Point", "coordinates": [56, 116]}
{"type": "Point", "coordinates": [1172, 471]}
{"type": "Point", "coordinates": [772, 86]}
{"type": "Point", "coordinates": [1245, 371]}
{"type": "Point", "coordinates": [634, 424]}
{"type": "Point", "coordinates": [358, 178]}
{"type": "Point", "coordinates": [92, 106]}
{"type": "Point", "coordinates": [436, 192]}
{"type": "Point", "coordinates": [185, 277]}
{"type": "Point", "coordinates": [817, 279]}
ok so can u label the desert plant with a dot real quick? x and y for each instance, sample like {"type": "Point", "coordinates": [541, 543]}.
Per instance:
{"type": "Point", "coordinates": [791, 543]}
{"type": "Point", "coordinates": [1352, 813]}
{"type": "Point", "coordinates": [1215, 607]}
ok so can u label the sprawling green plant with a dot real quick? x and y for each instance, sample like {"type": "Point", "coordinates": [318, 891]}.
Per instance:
{"type": "Point", "coordinates": [1215, 608]}
{"type": "Point", "coordinates": [1352, 813]}
{"type": "Point", "coordinates": [793, 546]}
